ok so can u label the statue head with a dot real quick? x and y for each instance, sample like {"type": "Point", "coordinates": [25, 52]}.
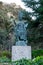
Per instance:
{"type": "Point", "coordinates": [20, 15]}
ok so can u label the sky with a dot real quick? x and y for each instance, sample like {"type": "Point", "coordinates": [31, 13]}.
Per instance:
{"type": "Point", "coordinates": [18, 2]}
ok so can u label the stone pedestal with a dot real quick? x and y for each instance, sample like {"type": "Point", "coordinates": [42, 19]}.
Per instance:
{"type": "Point", "coordinates": [19, 52]}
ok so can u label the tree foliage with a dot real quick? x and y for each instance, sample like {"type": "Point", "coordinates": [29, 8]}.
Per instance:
{"type": "Point", "coordinates": [6, 29]}
{"type": "Point", "coordinates": [35, 32]}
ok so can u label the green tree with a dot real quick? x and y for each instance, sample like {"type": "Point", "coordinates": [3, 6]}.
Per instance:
{"type": "Point", "coordinates": [36, 34]}
{"type": "Point", "coordinates": [37, 7]}
{"type": "Point", "coordinates": [6, 28]}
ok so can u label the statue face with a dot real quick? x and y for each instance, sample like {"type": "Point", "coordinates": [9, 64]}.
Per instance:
{"type": "Point", "coordinates": [21, 25]}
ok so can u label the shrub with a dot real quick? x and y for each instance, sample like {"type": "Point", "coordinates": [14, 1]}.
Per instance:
{"type": "Point", "coordinates": [36, 53]}
{"type": "Point", "coordinates": [7, 54]}
{"type": "Point", "coordinates": [4, 59]}
{"type": "Point", "coordinates": [23, 62]}
{"type": "Point", "coordinates": [38, 60]}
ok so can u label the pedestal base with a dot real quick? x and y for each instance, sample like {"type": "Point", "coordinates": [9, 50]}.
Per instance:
{"type": "Point", "coordinates": [19, 52]}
